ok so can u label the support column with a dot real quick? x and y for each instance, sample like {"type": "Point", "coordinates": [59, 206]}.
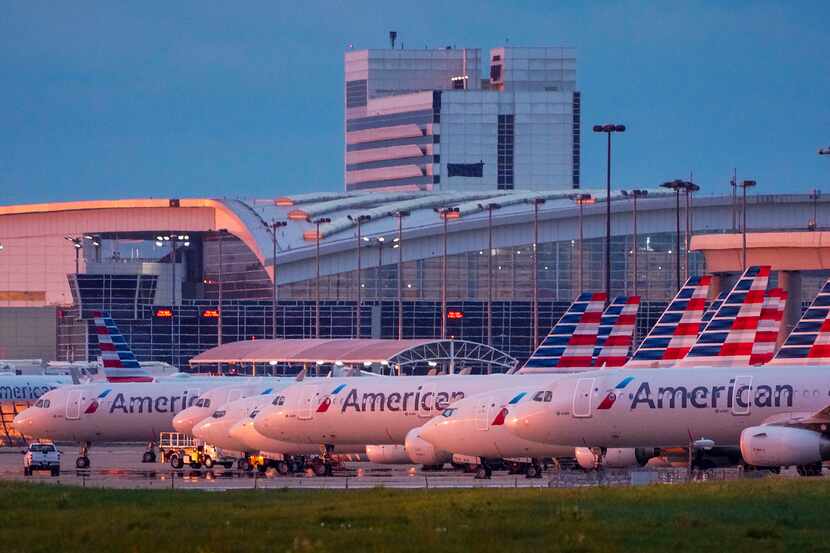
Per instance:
{"type": "Point", "coordinates": [721, 282]}
{"type": "Point", "coordinates": [790, 281]}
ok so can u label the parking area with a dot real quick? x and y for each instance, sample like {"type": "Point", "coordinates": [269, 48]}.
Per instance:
{"type": "Point", "coordinates": [120, 466]}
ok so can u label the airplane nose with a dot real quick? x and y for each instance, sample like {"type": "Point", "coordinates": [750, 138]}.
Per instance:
{"type": "Point", "coordinates": [21, 422]}
{"type": "Point", "coordinates": [431, 432]}
{"type": "Point", "coordinates": [237, 431]}
{"type": "Point", "coordinates": [184, 421]}
{"type": "Point", "coordinates": [202, 430]}
{"type": "Point", "coordinates": [527, 422]}
{"type": "Point", "coordinates": [264, 423]}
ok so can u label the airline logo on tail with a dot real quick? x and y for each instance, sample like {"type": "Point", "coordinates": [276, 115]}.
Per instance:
{"type": "Point", "coordinates": [120, 364]}
{"type": "Point", "coordinates": [729, 337]}
{"type": "Point", "coordinates": [768, 326]}
{"type": "Point", "coordinates": [615, 346]}
{"type": "Point", "coordinates": [571, 342]}
{"type": "Point", "coordinates": [677, 329]}
{"type": "Point", "coordinates": [809, 341]}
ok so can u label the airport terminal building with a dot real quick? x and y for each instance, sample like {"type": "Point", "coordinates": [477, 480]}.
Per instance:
{"type": "Point", "coordinates": [173, 271]}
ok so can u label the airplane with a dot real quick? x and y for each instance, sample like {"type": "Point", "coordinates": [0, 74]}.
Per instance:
{"type": "Point", "coordinates": [104, 412]}
{"type": "Point", "coordinates": [225, 428]}
{"type": "Point", "coordinates": [463, 429]}
{"type": "Point", "coordinates": [774, 413]}
{"type": "Point", "coordinates": [215, 398]}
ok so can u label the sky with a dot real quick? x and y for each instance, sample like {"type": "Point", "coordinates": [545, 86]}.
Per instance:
{"type": "Point", "coordinates": [245, 99]}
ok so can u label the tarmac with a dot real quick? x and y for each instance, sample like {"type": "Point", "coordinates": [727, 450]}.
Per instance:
{"type": "Point", "coordinates": [120, 467]}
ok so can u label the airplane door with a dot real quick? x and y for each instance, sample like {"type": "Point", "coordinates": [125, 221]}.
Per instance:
{"type": "Point", "coordinates": [234, 394]}
{"type": "Point", "coordinates": [583, 393]}
{"type": "Point", "coordinates": [742, 395]}
{"type": "Point", "coordinates": [308, 402]}
{"type": "Point", "coordinates": [73, 405]}
{"type": "Point", "coordinates": [483, 412]}
{"type": "Point", "coordinates": [429, 411]}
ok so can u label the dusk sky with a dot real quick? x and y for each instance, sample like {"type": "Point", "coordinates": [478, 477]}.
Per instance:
{"type": "Point", "coordinates": [107, 100]}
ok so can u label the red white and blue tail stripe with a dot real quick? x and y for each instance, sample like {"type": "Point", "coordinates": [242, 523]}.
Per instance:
{"type": "Point", "coordinates": [712, 309]}
{"type": "Point", "coordinates": [729, 337]}
{"type": "Point", "coordinates": [119, 362]}
{"type": "Point", "coordinates": [677, 329]}
{"type": "Point", "coordinates": [571, 342]}
{"type": "Point", "coordinates": [615, 340]}
{"type": "Point", "coordinates": [768, 327]}
{"type": "Point", "coordinates": [809, 341]}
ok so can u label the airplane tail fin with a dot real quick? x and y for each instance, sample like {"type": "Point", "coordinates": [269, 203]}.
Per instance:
{"type": "Point", "coordinates": [571, 341]}
{"type": "Point", "coordinates": [768, 326]}
{"type": "Point", "coordinates": [712, 309]}
{"type": "Point", "coordinates": [809, 341]}
{"type": "Point", "coordinates": [728, 338]}
{"type": "Point", "coordinates": [118, 361]}
{"type": "Point", "coordinates": [677, 329]}
{"type": "Point", "coordinates": [614, 341]}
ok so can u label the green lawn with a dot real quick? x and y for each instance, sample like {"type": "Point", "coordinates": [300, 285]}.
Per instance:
{"type": "Point", "coordinates": [757, 515]}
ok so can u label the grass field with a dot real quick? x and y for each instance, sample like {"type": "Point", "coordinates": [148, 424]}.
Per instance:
{"type": "Point", "coordinates": [758, 515]}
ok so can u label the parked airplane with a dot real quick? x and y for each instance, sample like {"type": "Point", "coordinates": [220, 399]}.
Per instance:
{"type": "Point", "coordinates": [768, 410]}
{"type": "Point", "coordinates": [212, 400]}
{"type": "Point", "coordinates": [219, 430]}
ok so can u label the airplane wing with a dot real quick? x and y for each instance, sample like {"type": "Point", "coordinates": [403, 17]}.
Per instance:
{"type": "Point", "coordinates": [804, 419]}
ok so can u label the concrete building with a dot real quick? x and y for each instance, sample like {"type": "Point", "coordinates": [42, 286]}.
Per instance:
{"type": "Point", "coordinates": [424, 120]}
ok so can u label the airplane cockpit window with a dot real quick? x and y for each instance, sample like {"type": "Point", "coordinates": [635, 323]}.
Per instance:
{"type": "Point", "coordinates": [218, 414]}
{"type": "Point", "coordinates": [279, 400]}
{"type": "Point", "coordinates": [539, 396]}
{"type": "Point", "coordinates": [548, 396]}
{"type": "Point", "coordinates": [207, 403]}
{"type": "Point", "coordinates": [450, 411]}
{"type": "Point", "coordinates": [254, 413]}
{"type": "Point", "coordinates": [39, 403]}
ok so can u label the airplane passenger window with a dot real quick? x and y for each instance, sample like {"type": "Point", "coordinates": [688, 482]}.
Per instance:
{"type": "Point", "coordinates": [219, 414]}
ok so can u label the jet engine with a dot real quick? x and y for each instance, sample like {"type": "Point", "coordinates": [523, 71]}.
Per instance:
{"type": "Point", "coordinates": [614, 457]}
{"type": "Point", "coordinates": [387, 454]}
{"type": "Point", "coordinates": [776, 446]}
{"type": "Point", "coordinates": [422, 452]}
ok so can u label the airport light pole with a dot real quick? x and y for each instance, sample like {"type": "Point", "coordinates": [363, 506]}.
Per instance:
{"type": "Point", "coordinates": [175, 241]}
{"type": "Point", "coordinates": [535, 265]}
{"type": "Point", "coordinates": [359, 293]}
{"type": "Point", "coordinates": [744, 185]}
{"type": "Point", "coordinates": [634, 195]}
{"type": "Point", "coordinates": [814, 196]}
{"type": "Point", "coordinates": [689, 188]}
{"type": "Point", "coordinates": [272, 230]}
{"type": "Point", "coordinates": [317, 222]}
{"type": "Point", "coordinates": [399, 245]}
{"type": "Point", "coordinates": [608, 130]}
{"type": "Point", "coordinates": [677, 186]}
{"type": "Point", "coordinates": [490, 208]}
{"type": "Point", "coordinates": [77, 243]}
{"type": "Point", "coordinates": [582, 200]}
{"type": "Point", "coordinates": [733, 182]}
{"type": "Point", "coordinates": [446, 214]}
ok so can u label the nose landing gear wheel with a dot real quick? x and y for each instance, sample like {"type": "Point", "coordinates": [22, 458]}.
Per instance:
{"type": "Point", "coordinates": [82, 462]}
{"type": "Point", "coordinates": [148, 457]}
{"type": "Point", "coordinates": [484, 473]}
{"type": "Point", "coordinates": [533, 471]}
{"type": "Point", "coordinates": [809, 470]}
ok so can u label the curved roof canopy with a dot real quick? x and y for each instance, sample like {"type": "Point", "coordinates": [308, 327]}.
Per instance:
{"type": "Point", "coordinates": [354, 351]}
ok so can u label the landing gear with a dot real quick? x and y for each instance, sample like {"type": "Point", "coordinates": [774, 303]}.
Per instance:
{"type": "Point", "coordinates": [244, 465]}
{"type": "Point", "coordinates": [484, 472]}
{"type": "Point", "coordinates": [282, 468]}
{"type": "Point", "coordinates": [813, 469]}
{"type": "Point", "coordinates": [82, 462]}
{"type": "Point", "coordinates": [533, 470]}
{"type": "Point", "coordinates": [321, 467]}
{"type": "Point", "coordinates": [148, 457]}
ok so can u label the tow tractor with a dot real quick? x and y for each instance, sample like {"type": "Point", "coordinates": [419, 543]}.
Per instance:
{"type": "Point", "coordinates": [180, 449]}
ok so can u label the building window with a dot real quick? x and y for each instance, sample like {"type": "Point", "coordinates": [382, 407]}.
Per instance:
{"type": "Point", "coordinates": [356, 94]}
{"type": "Point", "coordinates": [576, 138]}
{"type": "Point", "coordinates": [505, 152]}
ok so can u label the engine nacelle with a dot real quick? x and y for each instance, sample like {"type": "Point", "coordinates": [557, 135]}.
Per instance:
{"type": "Point", "coordinates": [387, 454]}
{"type": "Point", "coordinates": [615, 457]}
{"type": "Point", "coordinates": [586, 458]}
{"type": "Point", "coordinates": [776, 446]}
{"type": "Point", "coordinates": [422, 452]}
